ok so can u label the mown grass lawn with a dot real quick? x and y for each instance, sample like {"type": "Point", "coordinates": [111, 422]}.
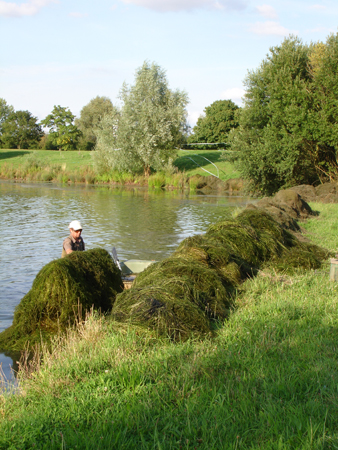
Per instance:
{"type": "Point", "coordinates": [205, 162]}
{"type": "Point", "coordinates": [73, 160]}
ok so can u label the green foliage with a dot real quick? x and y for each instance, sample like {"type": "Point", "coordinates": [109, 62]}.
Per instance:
{"type": "Point", "coordinates": [63, 133]}
{"type": "Point", "coordinates": [215, 125]}
{"type": "Point", "coordinates": [21, 130]}
{"type": "Point", "coordinates": [288, 126]}
{"type": "Point", "coordinates": [5, 111]}
{"type": "Point", "coordinates": [149, 127]}
{"type": "Point", "coordinates": [90, 117]}
{"type": "Point", "coordinates": [105, 156]}
{"type": "Point", "coordinates": [47, 143]}
{"type": "Point", "coordinates": [80, 280]}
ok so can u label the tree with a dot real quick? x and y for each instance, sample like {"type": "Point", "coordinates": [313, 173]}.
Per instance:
{"type": "Point", "coordinates": [322, 139]}
{"type": "Point", "coordinates": [218, 120]}
{"type": "Point", "coordinates": [21, 130]}
{"type": "Point", "coordinates": [90, 117]}
{"type": "Point", "coordinates": [63, 133]}
{"type": "Point", "coordinates": [288, 131]}
{"type": "Point", "coordinates": [150, 123]}
{"type": "Point", "coordinates": [106, 144]}
{"type": "Point", "coordinates": [5, 111]}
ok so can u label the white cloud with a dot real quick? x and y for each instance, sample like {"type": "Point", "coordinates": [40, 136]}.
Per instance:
{"type": "Point", "coordinates": [78, 15]}
{"type": "Point", "coordinates": [234, 94]}
{"type": "Point", "coordinates": [193, 117]}
{"type": "Point", "coordinates": [267, 11]}
{"type": "Point", "coordinates": [270, 28]}
{"type": "Point", "coordinates": [188, 5]}
{"type": "Point", "coordinates": [30, 8]}
{"type": "Point", "coordinates": [318, 7]}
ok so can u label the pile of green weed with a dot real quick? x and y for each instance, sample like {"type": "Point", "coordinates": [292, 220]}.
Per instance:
{"type": "Point", "coordinates": [280, 248]}
{"type": "Point", "coordinates": [177, 297]}
{"type": "Point", "coordinates": [184, 294]}
{"type": "Point", "coordinates": [62, 291]}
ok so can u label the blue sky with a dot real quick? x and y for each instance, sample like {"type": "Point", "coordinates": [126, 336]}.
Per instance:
{"type": "Point", "coordinates": [66, 52]}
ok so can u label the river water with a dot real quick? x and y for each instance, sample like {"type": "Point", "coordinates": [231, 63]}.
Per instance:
{"type": "Point", "coordinates": [140, 223]}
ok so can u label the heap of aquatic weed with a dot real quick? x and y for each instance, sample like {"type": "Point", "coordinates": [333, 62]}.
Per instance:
{"type": "Point", "coordinates": [207, 250]}
{"type": "Point", "coordinates": [185, 293]}
{"type": "Point", "coordinates": [289, 251]}
{"type": "Point", "coordinates": [86, 279]}
{"type": "Point", "coordinates": [176, 297]}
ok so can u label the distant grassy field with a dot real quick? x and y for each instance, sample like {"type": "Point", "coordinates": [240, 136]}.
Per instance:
{"type": "Point", "coordinates": [23, 163]}
{"type": "Point", "coordinates": [73, 160]}
{"type": "Point", "coordinates": [194, 162]}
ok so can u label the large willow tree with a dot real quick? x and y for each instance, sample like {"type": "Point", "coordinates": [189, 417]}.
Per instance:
{"type": "Point", "coordinates": [288, 132]}
{"type": "Point", "coordinates": [144, 134]}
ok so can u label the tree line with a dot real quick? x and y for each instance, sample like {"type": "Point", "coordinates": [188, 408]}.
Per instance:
{"type": "Point", "coordinates": [20, 129]}
{"type": "Point", "coordinates": [285, 134]}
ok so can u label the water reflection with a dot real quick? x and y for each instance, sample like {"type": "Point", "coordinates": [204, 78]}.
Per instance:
{"type": "Point", "coordinates": [141, 224]}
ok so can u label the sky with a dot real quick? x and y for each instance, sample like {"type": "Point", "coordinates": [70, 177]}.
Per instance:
{"type": "Point", "coordinates": [66, 52]}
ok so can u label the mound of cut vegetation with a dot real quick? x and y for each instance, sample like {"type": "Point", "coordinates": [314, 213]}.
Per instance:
{"type": "Point", "coordinates": [63, 290]}
{"type": "Point", "coordinates": [186, 293]}
{"type": "Point", "coordinates": [324, 193]}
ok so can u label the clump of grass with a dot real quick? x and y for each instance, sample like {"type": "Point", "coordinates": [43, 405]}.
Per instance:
{"type": "Point", "coordinates": [86, 279]}
{"type": "Point", "coordinates": [193, 182]}
{"type": "Point", "coordinates": [174, 180]}
{"type": "Point", "coordinates": [90, 178]}
{"type": "Point", "coordinates": [157, 181]}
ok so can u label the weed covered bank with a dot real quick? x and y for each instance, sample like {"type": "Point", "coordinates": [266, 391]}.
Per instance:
{"type": "Point", "coordinates": [267, 379]}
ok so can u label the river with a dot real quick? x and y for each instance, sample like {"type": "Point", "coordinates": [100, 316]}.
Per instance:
{"type": "Point", "coordinates": [140, 223]}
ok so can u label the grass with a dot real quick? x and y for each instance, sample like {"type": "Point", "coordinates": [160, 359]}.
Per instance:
{"type": "Point", "coordinates": [323, 230]}
{"type": "Point", "coordinates": [185, 164]}
{"type": "Point", "coordinates": [77, 166]}
{"type": "Point", "coordinates": [72, 160]}
{"type": "Point", "coordinates": [267, 381]}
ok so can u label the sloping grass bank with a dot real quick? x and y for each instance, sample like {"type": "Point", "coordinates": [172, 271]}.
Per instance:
{"type": "Point", "coordinates": [267, 381]}
{"type": "Point", "coordinates": [77, 167]}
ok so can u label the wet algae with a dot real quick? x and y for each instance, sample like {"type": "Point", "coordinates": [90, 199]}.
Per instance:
{"type": "Point", "coordinates": [63, 290]}
{"type": "Point", "coordinates": [188, 293]}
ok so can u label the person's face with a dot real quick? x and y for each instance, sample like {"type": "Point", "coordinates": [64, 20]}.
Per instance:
{"type": "Point", "coordinates": [75, 234]}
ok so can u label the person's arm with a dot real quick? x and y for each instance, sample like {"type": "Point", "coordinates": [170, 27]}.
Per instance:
{"type": "Point", "coordinates": [67, 245]}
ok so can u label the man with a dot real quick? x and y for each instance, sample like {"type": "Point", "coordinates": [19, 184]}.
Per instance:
{"type": "Point", "coordinates": [74, 242]}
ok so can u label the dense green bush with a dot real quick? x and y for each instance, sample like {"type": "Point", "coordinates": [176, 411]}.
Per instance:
{"type": "Point", "coordinates": [288, 133]}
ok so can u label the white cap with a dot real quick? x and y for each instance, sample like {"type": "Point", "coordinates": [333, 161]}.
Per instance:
{"type": "Point", "coordinates": [75, 224]}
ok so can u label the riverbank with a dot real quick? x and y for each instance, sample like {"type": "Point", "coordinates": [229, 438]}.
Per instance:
{"type": "Point", "coordinates": [77, 167]}
{"type": "Point", "coordinates": [268, 380]}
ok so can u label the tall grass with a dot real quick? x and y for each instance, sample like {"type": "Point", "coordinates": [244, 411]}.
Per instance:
{"type": "Point", "coordinates": [267, 381]}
